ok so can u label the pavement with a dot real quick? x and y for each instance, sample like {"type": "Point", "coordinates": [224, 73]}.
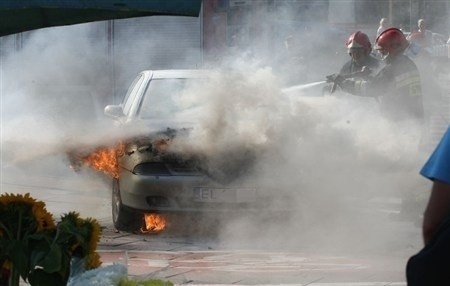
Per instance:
{"type": "Point", "coordinates": [369, 254]}
{"type": "Point", "coordinates": [198, 260]}
{"type": "Point", "coordinates": [249, 267]}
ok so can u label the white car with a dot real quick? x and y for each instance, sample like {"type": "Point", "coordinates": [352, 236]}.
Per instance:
{"type": "Point", "coordinates": [154, 179]}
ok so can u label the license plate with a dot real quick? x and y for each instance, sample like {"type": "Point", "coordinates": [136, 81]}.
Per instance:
{"type": "Point", "coordinates": [224, 195]}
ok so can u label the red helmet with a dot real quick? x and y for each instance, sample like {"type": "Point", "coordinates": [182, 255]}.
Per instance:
{"type": "Point", "coordinates": [359, 40]}
{"type": "Point", "coordinates": [392, 41]}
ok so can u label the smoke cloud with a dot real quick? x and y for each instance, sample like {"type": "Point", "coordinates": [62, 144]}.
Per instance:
{"type": "Point", "coordinates": [331, 158]}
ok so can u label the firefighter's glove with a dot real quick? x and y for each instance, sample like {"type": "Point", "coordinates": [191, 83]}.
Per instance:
{"type": "Point", "coordinates": [336, 79]}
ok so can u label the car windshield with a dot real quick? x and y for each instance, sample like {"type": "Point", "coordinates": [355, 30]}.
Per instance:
{"type": "Point", "coordinates": [163, 98]}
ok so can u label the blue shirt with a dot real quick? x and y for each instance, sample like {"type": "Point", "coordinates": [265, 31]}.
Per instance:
{"type": "Point", "coordinates": [438, 165]}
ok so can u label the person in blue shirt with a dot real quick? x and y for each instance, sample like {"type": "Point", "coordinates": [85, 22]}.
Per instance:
{"type": "Point", "coordinates": [431, 266]}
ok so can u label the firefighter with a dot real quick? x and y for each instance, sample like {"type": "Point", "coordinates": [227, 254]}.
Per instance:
{"type": "Point", "coordinates": [397, 85]}
{"type": "Point", "coordinates": [361, 63]}
{"type": "Point", "coordinates": [359, 49]}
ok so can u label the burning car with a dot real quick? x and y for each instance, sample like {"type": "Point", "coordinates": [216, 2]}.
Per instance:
{"type": "Point", "coordinates": [152, 177]}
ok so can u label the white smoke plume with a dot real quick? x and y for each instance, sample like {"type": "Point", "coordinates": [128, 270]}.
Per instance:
{"type": "Point", "coordinates": [333, 155]}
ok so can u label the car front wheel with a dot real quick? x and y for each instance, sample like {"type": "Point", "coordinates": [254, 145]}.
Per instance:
{"type": "Point", "coordinates": [123, 218]}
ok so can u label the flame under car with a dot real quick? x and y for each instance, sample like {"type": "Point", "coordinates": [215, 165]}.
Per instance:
{"type": "Point", "coordinates": [154, 178]}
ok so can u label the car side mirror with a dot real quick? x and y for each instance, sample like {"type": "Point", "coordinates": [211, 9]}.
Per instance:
{"type": "Point", "coordinates": [114, 111]}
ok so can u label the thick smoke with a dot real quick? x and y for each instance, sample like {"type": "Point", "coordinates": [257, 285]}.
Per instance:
{"type": "Point", "coordinates": [52, 96]}
{"type": "Point", "coordinates": [333, 156]}
{"type": "Point", "coordinates": [52, 92]}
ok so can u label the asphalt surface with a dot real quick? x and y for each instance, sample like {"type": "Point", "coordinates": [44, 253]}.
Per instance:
{"type": "Point", "coordinates": [194, 253]}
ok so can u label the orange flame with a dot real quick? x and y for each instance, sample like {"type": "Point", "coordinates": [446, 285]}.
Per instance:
{"type": "Point", "coordinates": [104, 159]}
{"type": "Point", "coordinates": [154, 223]}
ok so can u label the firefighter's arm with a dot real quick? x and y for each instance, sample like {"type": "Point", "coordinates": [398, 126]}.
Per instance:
{"type": "Point", "coordinates": [335, 80]}
{"type": "Point", "coordinates": [347, 85]}
{"type": "Point", "coordinates": [353, 83]}
{"type": "Point", "coordinates": [353, 86]}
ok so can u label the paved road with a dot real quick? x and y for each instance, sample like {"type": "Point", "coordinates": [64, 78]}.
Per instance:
{"type": "Point", "coordinates": [193, 261]}
{"type": "Point", "coordinates": [244, 254]}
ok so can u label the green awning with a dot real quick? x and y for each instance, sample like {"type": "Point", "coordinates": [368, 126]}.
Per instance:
{"type": "Point", "coordinates": [24, 15]}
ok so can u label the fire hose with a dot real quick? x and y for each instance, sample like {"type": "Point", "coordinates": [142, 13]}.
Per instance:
{"type": "Point", "coordinates": [337, 79]}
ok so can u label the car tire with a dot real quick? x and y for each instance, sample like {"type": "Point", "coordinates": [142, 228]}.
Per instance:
{"type": "Point", "coordinates": [124, 219]}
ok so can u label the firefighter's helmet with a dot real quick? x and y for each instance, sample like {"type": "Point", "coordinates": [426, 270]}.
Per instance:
{"type": "Point", "coordinates": [391, 41]}
{"type": "Point", "coordinates": [359, 40]}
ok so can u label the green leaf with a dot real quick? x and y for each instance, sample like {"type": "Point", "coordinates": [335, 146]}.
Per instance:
{"type": "Point", "coordinates": [52, 261]}
{"type": "Point", "coordinates": [65, 267]}
{"type": "Point", "coordinates": [41, 246]}
{"type": "Point", "coordinates": [42, 278]}
{"type": "Point", "coordinates": [19, 256]}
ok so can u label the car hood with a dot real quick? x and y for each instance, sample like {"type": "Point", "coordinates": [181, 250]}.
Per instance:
{"type": "Point", "coordinates": [171, 142]}
{"type": "Point", "coordinates": [154, 125]}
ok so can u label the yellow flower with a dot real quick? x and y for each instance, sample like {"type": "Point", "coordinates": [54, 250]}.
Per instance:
{"type": "Point", "coordinates": [44, 219]}
{"type": "Point", "coordinates": [93, 261]}
{"type": "Point", "coordinates": [91, 228]}
{"type": "Point", "coordinates": [23, 217]}
{"type": "Point", "coordinates": [11, 198]}
{"type": "Point", "coordinates": [95, 234]}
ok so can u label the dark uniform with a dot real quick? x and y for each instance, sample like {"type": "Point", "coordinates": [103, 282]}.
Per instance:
{"type": "Point", "coordinates": [352, 66]}
{"type": "Point", "coordinates": [397, 86]}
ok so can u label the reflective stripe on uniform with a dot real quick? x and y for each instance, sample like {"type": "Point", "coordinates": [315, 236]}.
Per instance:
{"type": "Point", "coordinates": [409, 79]}
{"type": "Point", "coordinates": [361, 88]}
{"type": "Point", "coordinates": [358, 84]}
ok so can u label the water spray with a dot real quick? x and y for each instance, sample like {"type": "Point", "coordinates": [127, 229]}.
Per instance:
{"type": "Point", "coordinates": [304, 87]}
